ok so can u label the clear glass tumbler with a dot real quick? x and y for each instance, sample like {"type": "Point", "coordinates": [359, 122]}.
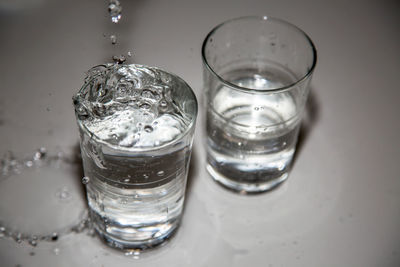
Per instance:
{"type": "Point", "coordinates": [256, 76]}
{"type": "Point", "coordinates": [136, 128]}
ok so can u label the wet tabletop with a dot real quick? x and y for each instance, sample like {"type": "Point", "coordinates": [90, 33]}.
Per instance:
{"type": "Point", "coordinates": [340, 205]}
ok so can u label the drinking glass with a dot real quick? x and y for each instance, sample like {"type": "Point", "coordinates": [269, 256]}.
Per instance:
{"type": "Point", "coordinates": [136, 127]}
{"type": "Point", "coordinates": [257, 72]}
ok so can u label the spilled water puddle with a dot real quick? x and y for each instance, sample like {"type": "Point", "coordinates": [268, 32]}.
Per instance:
{"type": "Point", "coordinates": [41, 197]}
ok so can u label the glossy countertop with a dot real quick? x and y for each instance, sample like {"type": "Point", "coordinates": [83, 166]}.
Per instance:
{"type": "Point", "coordinates": [341, 203]}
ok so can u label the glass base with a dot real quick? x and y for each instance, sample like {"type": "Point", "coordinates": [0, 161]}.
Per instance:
{"type": "Point", "coordinates": [115, 242]}
{"type": "Point", "coordinates": [243, 187]}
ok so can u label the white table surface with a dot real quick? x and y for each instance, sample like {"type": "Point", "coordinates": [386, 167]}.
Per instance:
{"type": "Point", "coordinates": [341, 204]}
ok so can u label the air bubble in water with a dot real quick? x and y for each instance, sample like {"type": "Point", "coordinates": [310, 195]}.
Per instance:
{"type": "Point", "coordinates": [148, 128]}
{"type": "Point", "coordinates": [145, 106]}
{"type": "Point", "coordinates": [114, 9]}
{"type": "Point", "coordinates": [85, 180]}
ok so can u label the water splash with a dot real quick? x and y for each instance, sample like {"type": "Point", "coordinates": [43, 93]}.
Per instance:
{"type": "Point", "coordinates": [138, 97]}
{"type": "Point", "coordinates": [9, 166]}
{"type": "Point", "coordinates": [115, 9]}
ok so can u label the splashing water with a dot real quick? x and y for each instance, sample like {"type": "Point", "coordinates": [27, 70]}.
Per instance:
{"type": "Point", "coordinates": [114, 9]}
{"type": "Point", "coordinates": [10, 166]}
{"type": "Point", "coordinates": [130, 106]}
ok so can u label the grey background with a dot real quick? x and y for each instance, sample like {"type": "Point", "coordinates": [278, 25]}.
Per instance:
{"type": "Point", "coordinates": [340, 206]}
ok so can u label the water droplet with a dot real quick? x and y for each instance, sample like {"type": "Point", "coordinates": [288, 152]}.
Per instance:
{"type": "Point", "coordinates": [240, 144]}
{"type": "Point", "coordinates": [29, 163]}
{"type": "Point", "coordinates": [85, 180]}
{"type": "Point", "coordinates": [113, 39]}
{"type": "Point", "coordinates": [145, 176]}
{"type": "Point", "coordinates": [147, 94]}
{"type": "Point", "coordinates": [148, 128]}
{"type": "Point", "coordinates": [32, 242]}
{"type": "Point", "coordinates": [127, 180]}
{"type": "Point", "coordinates": [115, 9]}
{"type": "Point", "coordinates": [56, 251]}
{"type": "Point", "coordinates": [160, 173]}
{"type": "Point", "coordinates": [63, 194]}
{"type": "Point", "coordinates": [18, 237]}
{"type": "Point", "coordinates": [119, 59]}
{"type": "Point", "coordinates": [54, 236]}
{"type": "Point", "coordinates": [40, 154]}
{"type": "Point", "coordinates": [129, 53]}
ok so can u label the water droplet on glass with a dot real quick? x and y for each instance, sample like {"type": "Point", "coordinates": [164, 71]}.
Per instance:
{"type": "Point", "coordinates": [114, 9]}
{"type": "Point", "coordinates": [85, 180]}
{"type": "Point", "coordinates": [160, 173]}
{"type": "Point", "coordinates": [148, 128]}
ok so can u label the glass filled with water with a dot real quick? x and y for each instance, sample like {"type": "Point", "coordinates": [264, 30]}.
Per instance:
{"type": "Point", "coordinates": [256, 76]}
{"type": "Point", "coordinates": [136, 127]}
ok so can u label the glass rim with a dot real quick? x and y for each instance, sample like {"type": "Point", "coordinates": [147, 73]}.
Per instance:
{"type": "Point", "coordinates": [187, 131]}
{"type": "Point", "coordinates": [262, 18]}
